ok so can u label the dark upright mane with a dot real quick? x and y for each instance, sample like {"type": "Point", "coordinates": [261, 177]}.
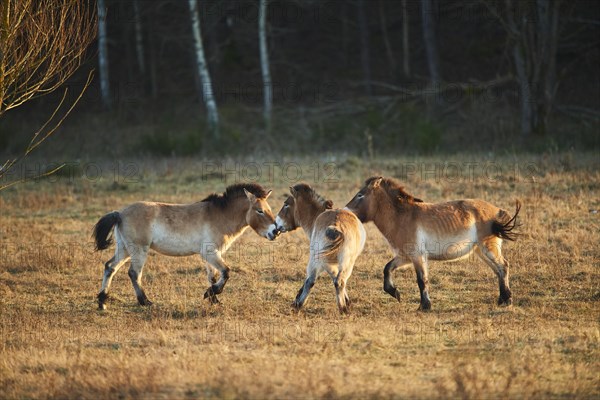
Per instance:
{"type": "Point", "coordinates": [233, 192]}
{"type": "Point", "coordinates": [311, 194]}
{"type": "Point", "coordinates": [395, 190]}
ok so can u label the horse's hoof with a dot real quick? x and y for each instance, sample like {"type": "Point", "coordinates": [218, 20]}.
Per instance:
{"type": "Point", "coordinates": [425, 306]}
{"type": "Point", "coordinates": [211, 296]}
{"type": "Point", "coordinates": [296, 307]}
{"type": "Point", "coordinates": [144, 301]}
{"type": "Point", "coordinates": [345, 310]}
{"type": "Point", "coordinates": [102, 298]}
{"type": "Point", "coordinates": [505, 302]}
{"type": "Point", "coordinates": [392, 291]}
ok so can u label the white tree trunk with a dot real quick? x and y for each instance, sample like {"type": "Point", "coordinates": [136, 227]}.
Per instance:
{"type": "Point", "coordinates": [430, 42]}
{"type": "Point", "coordinates": [207, 91]}
{"type": "Point", "coordinates": [386, 40]}
{"type": "Point", "coordinates": [364, 45]}
{"type": "Point", "coordinates": [139, 37]}
{"type": "Point", "coordinates": [103, 55]}
{"type": "Point", "coordinates": [264, 64]}
{"type": "Point", "coordinates": [405, 49]}
{"type": "Point", "coordinates": [525, 91]}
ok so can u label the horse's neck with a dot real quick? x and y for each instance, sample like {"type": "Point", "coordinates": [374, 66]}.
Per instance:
{"type": "Point", "coordinates": [307, 219]}
{"type": "Point", "coordinates": [233, 220]}
{"type": "Point", "coordinates": [390, 220]}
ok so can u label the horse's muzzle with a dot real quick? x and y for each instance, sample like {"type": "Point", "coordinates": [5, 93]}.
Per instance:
{"type": "Point", "coordinates": [273, 232]}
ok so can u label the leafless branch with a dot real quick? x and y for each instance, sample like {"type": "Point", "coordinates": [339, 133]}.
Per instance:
{"type": "Point", "coordinates": [42, 43]}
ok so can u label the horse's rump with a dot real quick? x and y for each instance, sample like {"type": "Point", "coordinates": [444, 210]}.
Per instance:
{"type": "Point", "coordinates": [504, 225]}
{"type": "Point", "coordinates": [103, 228]}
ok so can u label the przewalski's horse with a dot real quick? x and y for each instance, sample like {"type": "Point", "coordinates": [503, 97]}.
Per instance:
{"type": "Point", "coordinates": [419, 232]}
{"type": "Point", "coordinates": [207, 227]}
{"type": "Point", "coordinates": [336, 239]}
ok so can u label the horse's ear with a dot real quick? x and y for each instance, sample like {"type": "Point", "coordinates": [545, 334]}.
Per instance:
{"type": "Point", "coordinates": [329, 204]}
{"type": "Point", "coordinates": [268, 194]}
{"type": "Point", "coordinates": [293, 191]}
{"type": "Point", "coordinates": [376, 182]}
{"type": "Point", "coordinates": [249, 195]}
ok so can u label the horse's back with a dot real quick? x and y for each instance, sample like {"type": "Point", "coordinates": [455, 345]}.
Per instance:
{"type": "Point", "coordinates": [449, 230]}
{"type": "Point", "coordinates": [166, 228]}
{"type": "Point", "coordinates": [136, 220]}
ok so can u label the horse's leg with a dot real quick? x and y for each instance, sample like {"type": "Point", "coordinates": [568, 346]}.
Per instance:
{"type": "Point", "coordinates": [211, 274]}
{"type": "Point", "coordinates": [110, 269]}
{"type": "Point", "coordinates": [343, 276]}
{"type": "Point", "coordinates": [339, 282]}
{"type": "Point", "coordinates": [422, 270]}
{"type": "Point", "coordinates": [347, 273]}
{"type": "Point", "coordinates": [216, 288]}
{"type": "Point", "coordinates": [388, 284]}
{"type": "Point", "coordinates": [490, 251]}
{"type": "Point", "coordinates": [340, 290]}
{"type": "Point", "coordinates": [311, 276]}
{"type": "Point", "coordinates": [138, 259]}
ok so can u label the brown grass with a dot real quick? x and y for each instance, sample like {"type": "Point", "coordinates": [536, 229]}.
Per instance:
{"type": "Point", "coordinates": [53, 342]}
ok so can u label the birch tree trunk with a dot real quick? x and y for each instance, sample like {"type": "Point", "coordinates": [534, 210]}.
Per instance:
{"type": "Point", "coordinates": [430, 42]}
{"type": "Point", "coordinates": [405, 49]}
{"type": "Point", "coordinates": [264, 65]}
{"type": "Point", "coordinates": [139, 37]}
{"type": "Point", "coordinates": [364, 45]}
{"type": "Point", "coordinates": [386, 40]}
{"type": "Point", "coordinates": [344, 6]}
{"type": "Point", "coordinates": [527, 110]}
{"type": "Point", "coordinates": [535, 42]}
{"type": "Point", "coordinates": [203, 74]}
{"type": "Point", "coordinates": [103, 55]}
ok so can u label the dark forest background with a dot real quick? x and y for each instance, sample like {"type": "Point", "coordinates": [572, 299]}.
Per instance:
{"type": "Point", "coordinates": [348, 76]}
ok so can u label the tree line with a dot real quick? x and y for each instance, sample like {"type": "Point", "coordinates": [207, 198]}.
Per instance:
{"type": "Point", "coordinates": [161, 50]}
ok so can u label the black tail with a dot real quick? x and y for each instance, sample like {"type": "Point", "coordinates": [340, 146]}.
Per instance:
{"type": "Point", "coordinates": [336, 238]}
{"type": "Point", "coordinates": [103, 228]}
{"type": "Point", "coordinates": [505, 230]}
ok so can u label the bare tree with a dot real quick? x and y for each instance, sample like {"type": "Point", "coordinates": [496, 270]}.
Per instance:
{"type": "Point", "coordinates": [42, 43]}
{"type": "Point", "coordinates": [364, 45]}
{"type": "Point", "coordinates": [139, 37]}
{"type": "Point", "coordinates": [203, 74]}
{"type": "Point", "coordinates": [386, 39]}
{"type": "Point", "coordinates": [405, 40]}
{"type": "Point", "coordinates": [264, 64]}
{"type": "Point", "coordinates": [103, 54]}
{"type": "Point", "coordinates": [532, 26]}
{"type": "Point", "coordinates": [428, 17]}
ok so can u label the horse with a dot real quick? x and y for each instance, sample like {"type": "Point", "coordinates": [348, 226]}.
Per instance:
{"type": "Point", "coordinates": [336, 237]}
{"type": "Point", "coordinates": [208, 228]}
{"type": "Point", "coordinates": [419, 231]}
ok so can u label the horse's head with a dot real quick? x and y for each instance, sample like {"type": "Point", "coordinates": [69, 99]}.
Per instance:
{"type": "Point", "coordinates": [300, 208]}
{"type": "Point", "coordinates": [259, 215]}
{"type": "Point", "coordinates": [363, 204]}
{"type": "Point", "coordinates": [377, 191]}
{"type": "Point", "coordinates": [286, 218]}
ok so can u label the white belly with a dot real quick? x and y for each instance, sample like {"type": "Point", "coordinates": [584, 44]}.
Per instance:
{"type": "Point", "coordinates": [172, 243]}
{"type": "Point", "coordinates": [446, 247]}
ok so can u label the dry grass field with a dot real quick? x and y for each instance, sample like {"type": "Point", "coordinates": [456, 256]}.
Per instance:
{"type": "Point", "coordinates": [55, 344]}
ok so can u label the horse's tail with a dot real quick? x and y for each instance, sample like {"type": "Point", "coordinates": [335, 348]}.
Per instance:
{"type": "Point", "coordinates": [504, 230]}
{"type": "Point", "coordinates": [335, 238]}
{"type": "Point", "coordinates": [103, 228]}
